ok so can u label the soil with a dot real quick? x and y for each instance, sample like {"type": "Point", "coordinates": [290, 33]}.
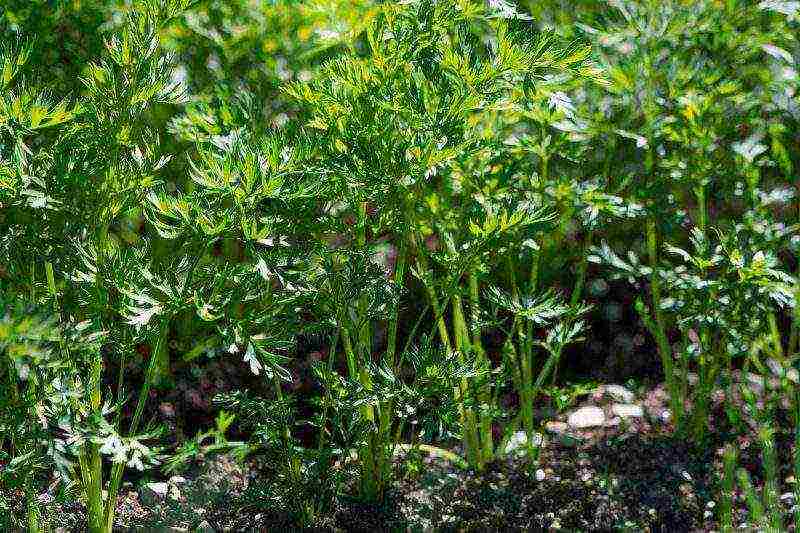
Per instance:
{"type": "Point", "coordinates": [629, 474]}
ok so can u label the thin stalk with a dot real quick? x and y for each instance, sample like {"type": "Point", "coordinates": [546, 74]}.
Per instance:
{"type": "Point", "coordinates": [796, 456]}
{"type": "Point", "coordinates": [364, 332]}
{"type": "Point", "coordinates": [367, 457]}
{"type": "Point", "coordinates": [32, 506]}
{"type": "Point", "coordinates": [117, 469]}
{"type": "Point", "coordinates": [580, 280]}
{"type": "Point", "coordinates": [463, 347]}
{"type": "Point", "coordinates": [702, 207]}
{"type": "Point", "coordinates": [480, 354]}
{"type": "Point", "coordinates": [293, 461]}
{"type": "Point", "coordinates": [33, 281]}
{"type": "Point", "coordinates": [659, 329]}
{"type": "Point", "coordinates": [754, 505]}
{"type": "Point", "coordinates": [460, 392]}
{"type": "Point", "coordinates": [93, 481]}
{"type": "Point", "coordinates": [399, 276]}
{"type": "Point", "coordinates": [728, 484]}
{"type": "Point", "coordinates": [347, 344]}
{"type": "Point", "coordinates": [516, 326]}
{"type": "Point", "coordinates": [770, 461]}
{"type": "Point", "coordinates": [795, 326]}
{"type": "Point", "coordinates": [384, 428]}
{"type": "Point", "coordinates": [794, 337]}
{"type": "Point", "coordinates": [524, 360]}
{"type": "Point", "coordinates": [422, 265]}
{"type": "Point", "coordinates": [327, 399]}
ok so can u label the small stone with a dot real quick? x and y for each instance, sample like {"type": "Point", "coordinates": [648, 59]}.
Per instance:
{"type": "Point", "coordinates": [175, 493]}
{"type": "Point", "coordinates": [177, 480]}
{"type": "Point", "coordinates": [158, 488]}
{"type": "Point", "coordinates": [627, 410]}
{"type": "Point", "coordinates": [518, 442]}
{"type": "Point", "coordinates": [618, 392]}
{"type": "Point", "coordinates": [153, 493]}
{"type": "Point", "coordinates": [586, 417]}
{"type": "Point", "coordinates": [556, 427]}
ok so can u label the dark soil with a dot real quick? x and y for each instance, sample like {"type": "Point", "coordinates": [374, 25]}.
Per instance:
{"type": "Point", "coordinates": [623, 476]}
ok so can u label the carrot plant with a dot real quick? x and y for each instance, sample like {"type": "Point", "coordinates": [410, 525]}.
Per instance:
{"type": "Point", "coordinates": [429, 74]}
{"type": "Point", "coordinates": [416, 191]}
{"type": "Point", "coordinates": [68, 193]}
{"type": "Point", "coordinates": [682, 107]}
{"type": "Point", "coordinates": [26, 340]}
{"type": "Point", "coordinates": [778, 390]}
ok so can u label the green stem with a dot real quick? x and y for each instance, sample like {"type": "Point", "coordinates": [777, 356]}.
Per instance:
{"type": "Point", "coordinates": [438, 311]}
{"type": "Point", "coordinates": [399, 276]}
{"type": "Point", "coordinates": [32, 506]}
{"type": "Point", "coordinates": [385, 426]}
{"type": "Point", "coordinates": [795, 327]}
{"type": "Point", "coordinates": [144, 392]}
{"type": "Point", "coordinates": [580, 280]}
{"type": "Point", "coordinates": [117, 469]}
{"type": "Point", "coordinates": [327, 399]}
{"type": "Point", "coordinates": [728, 485]}
{"type": "Point", "coordinates": [480, 354]}
{"type": "Point", "coordinates": [93, 480]}
{"type": "Point", "coordinates": [471, 431]}
{"type": "Point", "coordinates": [664, 349]}
{"type": "Point", "coordinates": [796, 455]}
{"type": "Point", "coordinates": [365, 330]}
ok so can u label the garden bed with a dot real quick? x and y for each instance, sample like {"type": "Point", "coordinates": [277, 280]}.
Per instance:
{"type": "Point", "coordinates": [625, 473]}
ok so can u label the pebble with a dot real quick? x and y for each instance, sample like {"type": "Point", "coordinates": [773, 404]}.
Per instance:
{"type": "Point", "coordinates": [627, 410]}
{"type": "Point", "coordinates": [159, 489]}
{"type": "Point", "coordinates": [618, 392]}
{"type": "Point", "coordinates": [175, 493]}
{"type": "Point", "coordinates": [586, 417]}
{"type": "Point", "coordinates": [518, 442]}
{"type": "Point", "coordinates": [556, 427]}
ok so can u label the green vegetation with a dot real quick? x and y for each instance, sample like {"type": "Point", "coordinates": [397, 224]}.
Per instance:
{"type": "Point", "coordinates": [413, 198]}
